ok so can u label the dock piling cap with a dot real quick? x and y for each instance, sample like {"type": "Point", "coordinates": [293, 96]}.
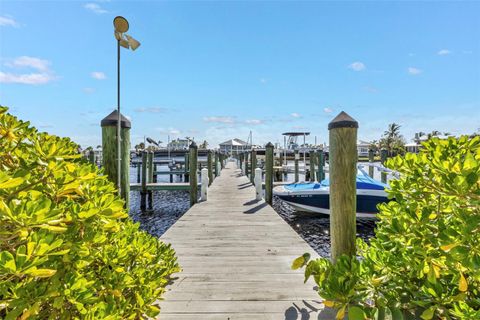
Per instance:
{"type": "Point", "coordinates": [343, 120]}
{"type": "Point", "coordinates": [112, 118]}
{"type": "Point", "coordinates": [193, 145]}
{"type": "Point", "coordinates": [269, 145]}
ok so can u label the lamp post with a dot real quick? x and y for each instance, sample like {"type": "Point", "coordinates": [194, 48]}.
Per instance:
{"type": "Point", "coordinates": [124, 40]}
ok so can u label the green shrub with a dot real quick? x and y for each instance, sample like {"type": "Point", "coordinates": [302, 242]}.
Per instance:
{"type": "Point", "coordinates": [424, 262]}
{"type": "Point", "coordinates": [67, 247]}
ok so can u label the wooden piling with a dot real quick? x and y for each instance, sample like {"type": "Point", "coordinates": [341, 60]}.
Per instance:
{"type": "Point", "coordinates": [247, 166]}
{"type": "Point", "coordinates": [383, 159]}
{"type": "Point", "coordinates": [143, 193]}
{"type": "Point", "coordinates": [343, 193]}
{"type": "Point", "coordinates": [186, 167]}
{"type": "Point", "coordinates": [297, 158]}
{"type": "Point", "coordinates": [209, 167]}
{"type": "Point", "coordinates": [312, 165]}
{"type": "Point", "coordinates": [91, 157]}
{"type": "Point", "coordinates": [192, 157]}
{"type": "Point", "coordinates": [138, 166]}
{"type": "Point", "coordinates": [371, 157]}
{"type": "Point", "coordinates": [254, 165]}
{"type": "Point", "coordinates": [269, 173]}
{"type": "Point", "coordinates": [216, 164]}
{"type": "Point", "coordinates": [150, 179]}
{"type": "Point", "coordinates": [110, 156]}
{"type": "Point", "coordinates": [320, 164]}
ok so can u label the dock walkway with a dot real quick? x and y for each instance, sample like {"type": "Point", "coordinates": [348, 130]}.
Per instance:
{"type": "Point", "coordinates": [236, 254]}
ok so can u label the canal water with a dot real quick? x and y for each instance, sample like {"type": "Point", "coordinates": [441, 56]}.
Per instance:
{"type": "Point", "coordinates": [169, 206]}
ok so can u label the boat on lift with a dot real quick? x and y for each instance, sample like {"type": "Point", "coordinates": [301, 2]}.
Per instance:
{"type": "Point", "coordinates": [315, 196]}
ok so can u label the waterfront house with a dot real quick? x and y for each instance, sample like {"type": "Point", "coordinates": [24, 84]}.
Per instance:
{"type": "Point", "coordinates": [233, 146]}
{"type": "Point", "coordinates": [363, 147]}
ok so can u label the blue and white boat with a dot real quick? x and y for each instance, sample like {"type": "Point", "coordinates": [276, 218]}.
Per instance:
{"type": "Point", "coordinates": [315, 197]}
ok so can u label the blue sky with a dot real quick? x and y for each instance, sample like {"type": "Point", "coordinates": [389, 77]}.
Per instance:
{"type": "Point", "coordinates": [216, 70]}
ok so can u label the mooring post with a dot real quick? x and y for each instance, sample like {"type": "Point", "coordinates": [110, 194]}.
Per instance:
{"type": "Point", "coordinates": [205, 182]}
{"type": "Point", "coordinates": [91, 157]}
{"type": "Point", "coordinates": [155, 176]}
{"type": "Point", "coordinates": [217, 172]}
{"type": "Point", "coordinates": [240, 158]}
{"type": "Point", "coordinates": [269, 173]}
{"type": "Point", "coordinates": [258, 184]}
{"type": "Point", "coordinates": [143, 193]}
{"type": "Point", "coordinates": [186, 167]}
{"type": "Point", "coordinates": [222, 161]}
{"type": "Point", "coordinates": [209, 167]}
{"type": "Point", "coordinates": [247, 169]}
{"type": "Point", "coordinates": [193, 153]}
{"type": "Point", "coordinates": [320, 164]}
{"type": "Point", "coordinates": [254, 165]}
{"type": "Point", "coordinates": [343, 191]}
{"type": "Point", "coordinates": [383, 159]}
{"type": "Point", "coordinates": [371, 156]}
{"type": "Point", "coordinates": [297, 158]}
{"type": "Point", "coordinates": [312, 165]}
{"type": "Point", "coordinates": [150, 179]}
{"type": "Point", "coordinates": [110, 155]}
{"type": "Point", "coordinates": [138, 166]}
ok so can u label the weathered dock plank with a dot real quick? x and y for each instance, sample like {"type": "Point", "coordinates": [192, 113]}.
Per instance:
{"type": "Point", "coordinates": [236, 254]}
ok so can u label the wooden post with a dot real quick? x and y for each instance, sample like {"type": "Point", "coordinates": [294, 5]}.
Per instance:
{"type": "Point", "coordinates": [216, 164]}
{"type": "Point", "coordinates": [312, 165]}
{"type": "Point", "coordinates": [193, 153]}
{"type": "Point", "coordinates": [371, 158]}
{"type": "Point", "coordinates": [205, 183]}
{"type": "Point", "coordinates": [320, 163]}
{"type": "Point", "coordinates": [155, 176]}
{"type": "Point", "coordinates": [110, 156]}
{"type": "Point", "coordinates": [254, 165]}
{"type": "Point", "coordinates": [209, 167]}
{"type": "Point", "coordinates": [247, 169]}
{"type": "Point", "coordinates": [241, 161]}
{"type": "Point", "coordinates": [91, 157]}
{"type": "Point", "coordinates": [150, 179]}
{"type": "Point", "coordinates": [343, 191]}
{"type": "Point", "coordinates": [297, 158]}
{"type": "Point", "coordinates": [258, 184]}
{"type": "Point", "coordinates": [383, 159]}
{"type": "Point", "coordinates": [269, 173]}
{"type": "Point", "coordinates": [186, 167]}
{"type": "Point", "coordinates": [138, 165]}
{"type": "Point", "coordinates": [143, 193]}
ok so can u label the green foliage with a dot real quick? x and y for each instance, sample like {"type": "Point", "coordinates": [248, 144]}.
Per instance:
{"type": "Point", "coordinates": [67, 247]}
{"type": "Point", "coordinates": [392, 140]}
{"type": "Point", "coordinates": [424, 262]}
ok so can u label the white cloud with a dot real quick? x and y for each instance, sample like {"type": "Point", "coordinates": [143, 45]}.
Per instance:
{"type": "Point", "coordinates": [219, 119]}
{"type": "Point", "coordinates": [444, 52]}
{"type": "Point", "coordinates": [254, 122]}
{"type": "Point", "coordinates": [414, 71]}
{"type": "Point", "coordinates": [357, 66]}
{"type": "Point", "coordinates": [295, 115]}
{"type": "Point", "coordinates": [8, 22]}
{"type": "Point", "coordinates": [30, 62]}
{"type": "Point", "coordinates": [31, 78]}
{"type": "Point", "coordinates": [327, 110]}
{"type": "Point", "coordinates": [151, 109]}
{"type": "Point", "coordinates": [95, 8]}
{"type": "Point", "coordinates": [98, 75]}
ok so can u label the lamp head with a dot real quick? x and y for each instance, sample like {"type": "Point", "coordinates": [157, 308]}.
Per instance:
{"type": "Point", "coordinates": [120, 24]}
{"type": "Point", "coordinates": [134, 44]}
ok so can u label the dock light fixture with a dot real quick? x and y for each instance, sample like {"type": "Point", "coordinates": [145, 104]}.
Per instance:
{"type": "Point", "coordinates": [123, 40]}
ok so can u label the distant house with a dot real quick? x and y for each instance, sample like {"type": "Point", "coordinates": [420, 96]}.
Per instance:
{"type": "Point", "coordinates": [362, 148]}
{"type": "Point", "coordinates": [233, 146]}
{"type": "Point", "coordinates": [179, 144]}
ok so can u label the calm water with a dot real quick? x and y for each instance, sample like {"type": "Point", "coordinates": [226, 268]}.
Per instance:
{"type": "Point", "coordinates": [169, 206]}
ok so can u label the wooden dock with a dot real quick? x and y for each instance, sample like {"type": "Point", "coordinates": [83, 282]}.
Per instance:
{"type": "Point", "coordinates": [236, 254]}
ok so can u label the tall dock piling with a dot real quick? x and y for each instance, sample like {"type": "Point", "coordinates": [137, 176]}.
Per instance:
{"type": "Point", "coordinates": [143, 193]}
{"type": "Point", "coordinates": [217, 172]}
{"type": "Point", "coordinates": [312, 165]}
{"type": "Point", "coordinates": [247, 169]}
{"type": "Point", "coordinates": [269, 173]}
{"type": "Point", "coordinates": [371, 157]}
{"type": "Point", "coordinates": [193, 154]}
{"type": "Point", "coordinates": [110, 154]}
{"type": "Point", "coordinates": [254, 165]}
{"type": "Point", "coordinates": [383, 159]}
{"type": "Point", "coordinates": [297, 158]}
{"type": "Point", "coordinates": [186, 167]}
{"type": "Point", "coordinates": [150, 179]}
{"type": "Point", "coordinates": [258, 184]}
{"type": "Point", "coordinates": [343, 193]}
{"type": "Point", "coordinates": [209, 167]}
{"type": "Point", "coordinates": [91, 157]}
{"type": "Point", "coordinates": [320, 164]}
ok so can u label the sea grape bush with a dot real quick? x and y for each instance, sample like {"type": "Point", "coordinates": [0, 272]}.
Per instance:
{"type": "Point", "coordinates": [67, 247]}
{"type": "Point", "coordinates": [424, 261]}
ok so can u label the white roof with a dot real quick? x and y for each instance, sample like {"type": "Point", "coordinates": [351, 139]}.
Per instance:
{"type": "Point", "coordinates": [234, 142]}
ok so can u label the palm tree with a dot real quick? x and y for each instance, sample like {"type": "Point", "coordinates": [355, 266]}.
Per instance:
{"type": "Point", "coordinates": [392, 140]}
